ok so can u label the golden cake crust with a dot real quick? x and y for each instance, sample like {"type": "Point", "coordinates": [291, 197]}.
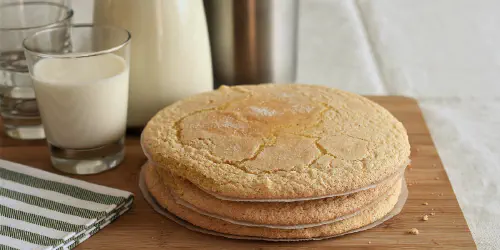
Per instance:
{"type": "Point", "coordinates": [369, 215]}
{"type": "Point", "coordinates": [301, 213]}
{"type": "Point", "coordinates": [277, 141]}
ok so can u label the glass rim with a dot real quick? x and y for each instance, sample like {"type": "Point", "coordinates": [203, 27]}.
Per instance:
{"type": "Point", "coordinates": [77, 54]}
{"type": "Point", "coordinates": [69, 15]}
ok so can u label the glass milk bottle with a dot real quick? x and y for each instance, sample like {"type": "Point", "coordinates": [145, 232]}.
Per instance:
{"type": "Point", "coordinates": [170, 52]}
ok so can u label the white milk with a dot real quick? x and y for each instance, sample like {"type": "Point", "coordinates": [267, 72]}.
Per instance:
{"type": "Point", "coordinates": [170, 51]}
{"type": "Point", "coordinates": [82, 101]}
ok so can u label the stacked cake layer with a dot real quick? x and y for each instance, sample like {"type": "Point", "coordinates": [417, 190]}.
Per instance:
{"type": "Point", "coordinates": [276, 161]}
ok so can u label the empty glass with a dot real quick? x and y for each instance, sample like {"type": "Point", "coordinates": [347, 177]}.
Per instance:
{"type": "Point", "coordinates": [18, 109]}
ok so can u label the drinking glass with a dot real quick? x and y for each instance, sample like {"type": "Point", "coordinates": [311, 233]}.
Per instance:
{"type": "Point", "coordinates": [18, 109]}
{"type": "Point", "coordinates": [82, 92]}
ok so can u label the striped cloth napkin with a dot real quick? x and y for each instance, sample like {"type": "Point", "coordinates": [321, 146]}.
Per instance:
{"type": "Point", "coordinates": [41, 210]}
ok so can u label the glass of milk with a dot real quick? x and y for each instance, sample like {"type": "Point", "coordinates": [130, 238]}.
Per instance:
{"type": "Point", "coordinates": [81, 80]}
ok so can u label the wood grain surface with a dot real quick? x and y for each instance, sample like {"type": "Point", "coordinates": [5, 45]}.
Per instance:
{"type": "Point", "coordinates": [142, 228]}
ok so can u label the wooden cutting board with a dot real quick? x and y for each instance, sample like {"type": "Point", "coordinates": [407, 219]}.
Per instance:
{"type": "Point", "coordinates": [144, 229]}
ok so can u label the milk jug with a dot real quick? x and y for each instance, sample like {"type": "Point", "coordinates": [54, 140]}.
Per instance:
{"type": "Point", "coordinates": [170, 51]}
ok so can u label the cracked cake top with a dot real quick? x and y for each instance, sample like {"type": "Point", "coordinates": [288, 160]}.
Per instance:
{"type": "Point", "coordinates": [277, 141]}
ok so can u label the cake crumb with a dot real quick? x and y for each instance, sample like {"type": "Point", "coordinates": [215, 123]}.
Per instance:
{"type": "Point", "coordinates": [410, 184]}
{"type": "Point", "coordinates": [432, 209]}
{"type": "Point", "coordinates": [441, 194]}
{"type": "Point", "coordinates": [413, 231]}
{"type": "Point", "coordinates": [425, 203]}
{"type": "Point", "coordinates": [437, 178]}
{"type": "Point", "coordinates": [425, 218]}
{"type": "Point", "coordinates": [369, 242]}
{"type": "Point", "coordinates": [418, 149]}
{"type": "Point", "coordinates": [434, 165]}
{"type": "Point", "coordinates": [433, 213]}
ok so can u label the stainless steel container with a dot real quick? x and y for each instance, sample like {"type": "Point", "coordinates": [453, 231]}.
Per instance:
{"type": "Point", "coordinates": [253, 41]}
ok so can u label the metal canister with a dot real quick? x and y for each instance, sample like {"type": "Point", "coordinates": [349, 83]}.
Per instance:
{"type": "Point", "coordinates": [253, 41]}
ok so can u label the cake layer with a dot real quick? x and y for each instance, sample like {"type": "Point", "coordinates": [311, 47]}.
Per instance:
{"type": "Point", "coordinates": [272, 214]}
{"type": "Point", "coordinates": [370, 214]}
{"type": "Point", "coordinates": [277, 141]}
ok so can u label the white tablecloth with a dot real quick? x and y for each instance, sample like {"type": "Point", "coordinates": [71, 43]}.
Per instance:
{"type": "Point", "coordinates": [445, 53]}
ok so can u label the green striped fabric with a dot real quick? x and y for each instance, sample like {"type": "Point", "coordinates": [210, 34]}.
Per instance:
{"type": "Point", "coordinates": [41, 210]}
{"type": "Point", "coordinates": [4, 247]}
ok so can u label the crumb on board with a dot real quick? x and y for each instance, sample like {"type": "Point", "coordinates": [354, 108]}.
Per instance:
{"type": "Point", "coordinates": [418, 149]}
{"type": "Point", "coordinates": [433, 213]}
{"type": "Point", "coordinates": [369, 242]}
{"type": "Point", "coordinates": [432, 209]}
{"type": "Point", "coordinates": [432, 193]}
{"type": "Point", "coordinates": [410, 184]}
{"type": "Point", "coordinates": [425, 203]}
{"type": "Point", "coordinates": [425, 218]}
{"type": "Point", "coordinates": [434, 165]}
{"type": "Point", "coordinates": [437, 178]}
{"type": "Point", "coordinates": [413, 231]}
{"type": "Point", "coordinates": [441, 194]}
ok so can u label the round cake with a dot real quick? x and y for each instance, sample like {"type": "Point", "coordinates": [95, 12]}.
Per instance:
{"type": "Point", "coordinates": [368, 215]}
{"type": "Point", "coordinates": [285, 215]}
{"type": "Point", "coordinates": [276, 142]}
